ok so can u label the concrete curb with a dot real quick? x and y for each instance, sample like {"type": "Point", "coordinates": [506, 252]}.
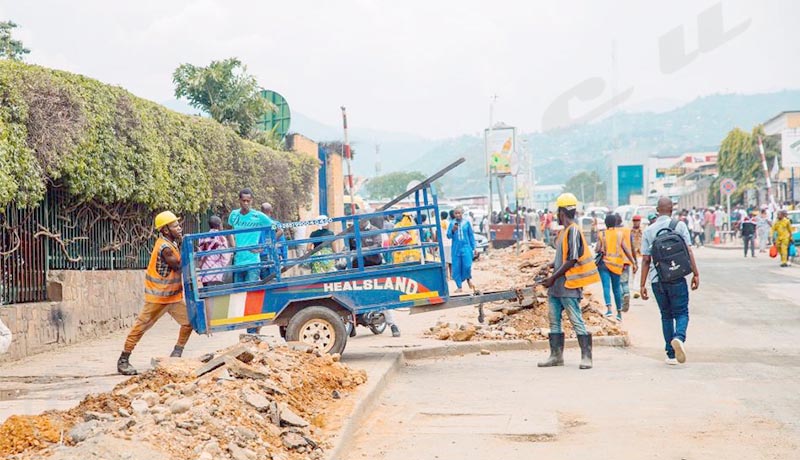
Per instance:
{"type": "Point", "coordinates": [394, 360]}
{"type": "Point", "coordinates": [367, 399]}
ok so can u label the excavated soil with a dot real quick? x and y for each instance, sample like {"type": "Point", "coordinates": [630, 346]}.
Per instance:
{"type": "Point", "coordinates": [514, 268]}
{"type": "Point", "coordinates": [266, 401]}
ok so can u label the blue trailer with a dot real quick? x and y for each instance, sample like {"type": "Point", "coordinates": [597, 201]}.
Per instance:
{"type": "Point", "coordinates": [316, 308]}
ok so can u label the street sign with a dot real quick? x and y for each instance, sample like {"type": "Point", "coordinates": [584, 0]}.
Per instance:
{"type": "Point", "coordinates": [727, 186]}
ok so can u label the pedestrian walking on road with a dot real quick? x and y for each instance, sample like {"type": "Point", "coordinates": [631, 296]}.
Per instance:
{"type": "Point", "coordinates": [672, 298]}
{"type": "Point", "coordinates": [163, 291]}
{"type": "Point", "coordinates": [748, 229]}
{"type": "Point", "coordinates": [782, 235]}
{"type": "Point", "coordinates": [573, 269]}
{"type": "Point", "coordinates": [463, 249]}
{"type": "Point", "coordinates": [614, 245]}
{"type": "Point", "coordinates": [763, 226]}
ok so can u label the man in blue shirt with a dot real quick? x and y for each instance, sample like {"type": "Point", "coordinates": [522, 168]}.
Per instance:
{"type": "Point", "coordinates": [672, 298]}
{"type": "Point", "coordinates": [243, 218]}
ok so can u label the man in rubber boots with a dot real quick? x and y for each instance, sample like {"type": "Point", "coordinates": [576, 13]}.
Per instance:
{"type": "Point", "coordinates": [573, 269]}
{"type": "Point", "coordinates": [163, 291]}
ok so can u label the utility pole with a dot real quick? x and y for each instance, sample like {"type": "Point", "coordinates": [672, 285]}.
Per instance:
{"type": "Point", "coordinates": [348, 158]}
{"type": "Point", "coordinates": [488, 160]}
{"type": "Point", "coordinates": [377, 160]}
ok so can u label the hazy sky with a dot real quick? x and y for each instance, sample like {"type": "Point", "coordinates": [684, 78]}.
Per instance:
{"type": "Point", "coordinates": [430, 67]}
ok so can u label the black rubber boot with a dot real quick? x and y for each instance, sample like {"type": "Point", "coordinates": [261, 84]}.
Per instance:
{"type": "Point", "coordinates": [124, 366]}
{"type": "Point", "coordinates": [556, 351]}
{"type": "Point", "coordinates": [177, 352]}
{"type": "Point", "coordinates": [585, 342]}
{"type": "Point", "coordinates": [395, 331]}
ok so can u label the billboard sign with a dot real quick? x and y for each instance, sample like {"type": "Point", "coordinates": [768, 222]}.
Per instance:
{"type": "Point", "coordinates": [501, 147]}
{"type": "Point", "coordinates": [790, 148]}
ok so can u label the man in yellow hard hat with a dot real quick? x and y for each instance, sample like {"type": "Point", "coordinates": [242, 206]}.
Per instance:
{"type": "Point", "coordinates": [163, 291]}
{"type": "Point", "coordinates": [573, 269]}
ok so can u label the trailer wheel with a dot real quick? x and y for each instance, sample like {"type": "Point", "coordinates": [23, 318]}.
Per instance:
{"type": "Point", "coordinates": [319, 326]}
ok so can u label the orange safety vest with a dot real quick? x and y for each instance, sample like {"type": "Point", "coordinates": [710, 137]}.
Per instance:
{"type": "Point", "coordinates": [584, 272]}
{"type": "Point", "coordinates": [160, 288]}
{"type": "Point", "coordinates": [614, 258]}
{"type": "Point", "coordinates": [626, 243]}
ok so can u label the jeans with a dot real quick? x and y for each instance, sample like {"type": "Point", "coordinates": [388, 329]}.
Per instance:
{"type": "Point", "coordinates": [749, 240]}
{"type": "Point", "coordinates": [573, 307]}
{"type": "Point", "coordinates": [611, 284]}
{"type": "Point", "coordinates": [673, 301]}
{"type": "Point", "coordinates": [624, 281]}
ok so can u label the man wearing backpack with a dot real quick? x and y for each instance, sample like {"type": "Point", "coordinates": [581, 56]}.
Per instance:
{"type": "Point", "coordinates": [666, 259]}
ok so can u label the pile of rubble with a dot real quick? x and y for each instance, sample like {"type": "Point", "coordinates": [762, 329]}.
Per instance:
{"type": "Point", "coordinates": [517, 267]}
{"type": "Point", "coordinates": [256, 400]}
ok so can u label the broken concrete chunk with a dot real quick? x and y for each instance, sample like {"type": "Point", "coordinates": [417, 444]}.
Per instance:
{"type": "Point", "coordinates": [150, 397]}
{"type": "Point", "coordinates": [244, 371]}
{"type": "Point", "coordinates": [293, 440]}
{"type": "Point", "coordinates": [81, 431]}
{"type": "Point", "coordinates": [139, 406]}
{"type": "Point", "coordinates": [180, 406]}
{"type": "Point", "coordinates": [289, 418]}
{"type": "Point", "coordinates": [258, 401]}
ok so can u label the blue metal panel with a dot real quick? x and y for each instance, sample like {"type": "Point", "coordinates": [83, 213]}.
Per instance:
{"type": "Point", "coordinates": [385, 286]}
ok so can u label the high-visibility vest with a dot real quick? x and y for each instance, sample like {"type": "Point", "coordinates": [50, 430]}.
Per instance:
{"type": "Point", "coordinates": [158, 288]}
{"type": "Point", "coordinates": [614, 257]}
{"type": "Point", "coordinates": [626, 243]}
{"type": "Point", "coordinates": [584, 272]}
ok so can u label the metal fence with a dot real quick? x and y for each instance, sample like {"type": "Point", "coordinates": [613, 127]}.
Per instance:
{"type": "Point", "coordinates": [64, 234]}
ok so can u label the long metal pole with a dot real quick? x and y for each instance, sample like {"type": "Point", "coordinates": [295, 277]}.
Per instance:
{"type": "Point", "coordinates": [348, 158]}
{"type": "Point", "coordinates": [770, 198]}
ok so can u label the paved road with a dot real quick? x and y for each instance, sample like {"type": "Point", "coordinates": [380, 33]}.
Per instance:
{"type": "Point", "coordinates": [736, 398]}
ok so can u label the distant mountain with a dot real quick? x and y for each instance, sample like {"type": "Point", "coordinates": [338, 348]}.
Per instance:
{"type": "Point", "coordinates": [697, 126]}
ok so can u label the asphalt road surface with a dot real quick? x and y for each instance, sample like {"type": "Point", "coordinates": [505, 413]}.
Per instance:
{"type": "Point", "coordinates": [737, 397]}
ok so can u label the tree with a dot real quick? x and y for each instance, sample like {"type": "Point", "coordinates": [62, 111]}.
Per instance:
{"type": "Point", "coordinates": [740, 160]}
{"type": "Point", "coordinates": [225, 91]}
{"type": "Point", "coordinates": [587, 186]}
{"type": "Point", "coordinates": [10, 48]}
{"type": "Point", "coordinates": [392, 184]}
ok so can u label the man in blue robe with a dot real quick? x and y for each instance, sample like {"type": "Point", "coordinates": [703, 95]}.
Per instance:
{"type": "Point", "coordinates": [462, 250]}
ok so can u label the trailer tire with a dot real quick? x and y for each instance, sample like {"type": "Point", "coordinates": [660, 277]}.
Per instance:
{"type": "Point", "coordinates": [318, 326]}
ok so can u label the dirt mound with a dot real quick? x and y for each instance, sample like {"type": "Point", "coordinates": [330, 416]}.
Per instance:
{"type": "Point", "coordinates": [254, 400]}
{"type": "Point", "coordinates": [516, 268]}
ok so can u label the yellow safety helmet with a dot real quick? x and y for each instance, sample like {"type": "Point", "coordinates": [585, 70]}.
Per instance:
{"type": "Point", "coordinates": [566, 201]}
{"type": "Point", "coordinates": [165, 218]}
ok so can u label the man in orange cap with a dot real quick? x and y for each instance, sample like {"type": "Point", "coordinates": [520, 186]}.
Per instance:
{"type": "Point", "coordinates": [163, 291]}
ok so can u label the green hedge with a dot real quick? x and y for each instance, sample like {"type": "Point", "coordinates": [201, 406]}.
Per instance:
{"type": "Point", "coordinates": [104, 144]}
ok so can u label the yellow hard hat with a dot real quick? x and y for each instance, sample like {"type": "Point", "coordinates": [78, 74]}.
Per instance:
{"type": "Point", "coordinates": [165, 218]}
{"type": "Point", "coordinates": [566, 200]}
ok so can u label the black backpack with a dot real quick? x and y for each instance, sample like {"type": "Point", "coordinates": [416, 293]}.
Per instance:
{"type": "Point", "coordinates": [670, 255]}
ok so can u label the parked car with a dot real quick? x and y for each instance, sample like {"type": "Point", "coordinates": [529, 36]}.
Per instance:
{"type": "Point", "coordinates": [481, 245]}
{"type": "Point", "coordinates": [628, 211]}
